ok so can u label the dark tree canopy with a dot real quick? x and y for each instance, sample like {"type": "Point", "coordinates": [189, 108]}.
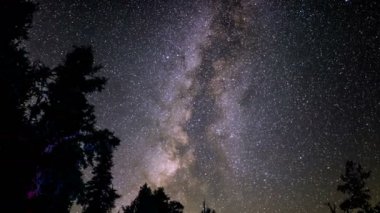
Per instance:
{"type": "Point", "coordinates": [355, 188]}
{"type": "Point", "coordinates": [17, 153]}
{"type": "Point", "coordinates": [47, 127]}
{"type": "Point", "coordinates": [99, 196]}
{"type": "Point", "coordinates": [72, 140]}
{"type": "Point", "coordinates": [148, 201]}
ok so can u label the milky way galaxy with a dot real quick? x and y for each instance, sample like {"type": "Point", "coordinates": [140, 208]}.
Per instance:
{"type": "Point", "coordinates": [252, 105]}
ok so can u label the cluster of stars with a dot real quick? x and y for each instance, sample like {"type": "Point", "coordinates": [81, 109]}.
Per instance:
{"type": "Point", "coordinates": [254, 105]}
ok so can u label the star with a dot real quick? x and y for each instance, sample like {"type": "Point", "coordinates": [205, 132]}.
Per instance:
{"type": "Point", "coordinates": [252, 105]}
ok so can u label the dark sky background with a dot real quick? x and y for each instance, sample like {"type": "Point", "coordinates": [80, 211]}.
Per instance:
{"type": "Point", "coordinates": [253, 105]}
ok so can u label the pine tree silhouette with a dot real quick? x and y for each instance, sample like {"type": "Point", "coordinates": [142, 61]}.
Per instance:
{"type": "Point", "coordinates": [153, 202]}
{"type": "Point", "coordinates": [69, 133]}
{"type": "Point", "coordinates": [17, 153]}
{"type": "Point", "coordinates": [143, 202]}
{"type": "Point", "coordinates": [47, 126]}
{"type": "Point", "coordinates": [99, 196]}
{"type": "Point", "coordinates": [354, 186]}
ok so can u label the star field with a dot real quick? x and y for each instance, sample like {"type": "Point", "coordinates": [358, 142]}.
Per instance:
{"type": "Point", "coordinates": [252, 105]}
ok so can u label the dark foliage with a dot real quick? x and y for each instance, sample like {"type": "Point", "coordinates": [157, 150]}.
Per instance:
{"type": "Point", "coordinates": [47, 127]}
{"type": "Point", "coordinates": [17, 165]}
{"type": "Point", "coordinates": [72, 141]}
{"type": "Point", "coordinates": [148, 201]}
{"type": "Point", "coordinates": [355, 188]}
{"type": "Point", "coordinates": [99, 196]}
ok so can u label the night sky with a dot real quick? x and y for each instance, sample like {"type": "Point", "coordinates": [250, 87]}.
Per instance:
{"type": "Point", "coordinates": [254, 106]}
